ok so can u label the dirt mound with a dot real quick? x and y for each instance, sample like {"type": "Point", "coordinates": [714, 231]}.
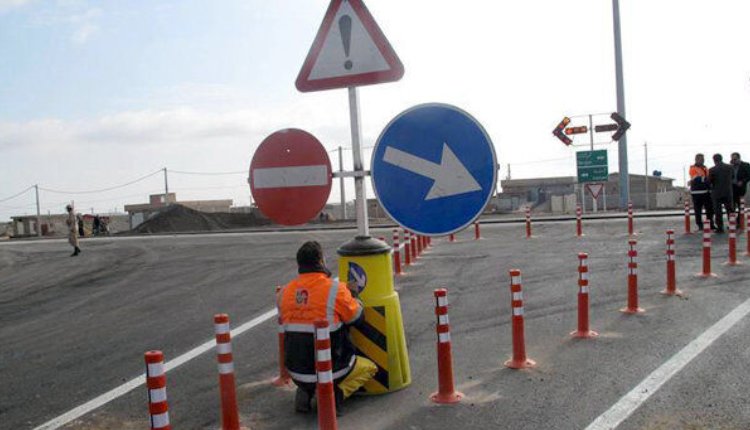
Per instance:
{"type": "Point", "coordinates": [178, 218]}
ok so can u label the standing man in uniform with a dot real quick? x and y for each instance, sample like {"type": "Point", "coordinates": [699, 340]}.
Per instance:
{"type": "Point", "coordinates": [700, 191]}
{"type": "Point", "coordinates": [740, 177]}
{"type": "Point", "coordinates": [312, 296]}
{"type": "Point", "coordinates": [72, 230]}
{"type": "Point", "coordinates": [720, 177]}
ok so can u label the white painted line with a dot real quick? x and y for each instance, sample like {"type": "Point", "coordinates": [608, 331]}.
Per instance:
{"type": "Point", "coordinates": [621, 410]}
{"type": "Point", "coordinates": [292, 176]}
{"type": "Point", "coordinates": [136, 382]}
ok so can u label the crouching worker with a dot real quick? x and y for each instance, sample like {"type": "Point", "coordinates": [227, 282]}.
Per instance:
{"type": "Point", "coordinates": [312, 296]}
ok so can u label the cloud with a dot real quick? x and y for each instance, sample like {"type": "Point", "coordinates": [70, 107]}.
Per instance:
{"type": "Point", "coordinates": [83, 33]}
{"type": "Point", "coordinates": [7, 5]}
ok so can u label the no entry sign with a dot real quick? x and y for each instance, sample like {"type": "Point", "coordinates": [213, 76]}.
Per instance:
{"type": "Point", "coordinates": [290, 177]}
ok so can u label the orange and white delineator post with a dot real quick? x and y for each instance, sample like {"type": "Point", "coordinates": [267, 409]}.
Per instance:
{"type": "Point", "coordinates": [477, 234]}
{"type": "Point", "coordinates": [407, 249]}
{"type": "Point", "coordinates": [156, 382]}
{"type": "Point", "coordinates": [284, 379]}
{"type": "Point", "coordinates": [446, 391]}
{"type": "Point", "coordinates": [396, 252]}
{"type": "Point", "coordinates": [741, 216]}
{"type": "Point", "coordinates": [706, 273]}
{"type": "Point", "coordinates": [732, 241]}
{"type": "Point", "coordinates": [671, 289]}
{"type": "Point", "coordinates": [324, 371]}
{"type": "Point", "coordinates": [583, 332]}
{"type": "Point", "coordinates": [452, 237]}
{"type": "Point", "coordinates": [579, 221]}
{"type": "Point", "coordinates": [420, 244]}
{"type": "Point", "coordinates": [413, 240]}
{"type": "Point", "coordinates": [528, 222]}
{"type": "Point", "coordinates": [519, 359]}
{"type": "Point", "coordinates": [687, 217]}
{"type": "Point", "coordinates": [632, 307]}
{"type": "Point", "coordinates": [631, 230]}
{"type": "Point", "coordinates": [230, 418]}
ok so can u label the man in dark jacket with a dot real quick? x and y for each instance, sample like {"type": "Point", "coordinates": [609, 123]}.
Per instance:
{"type": "Point", "coordinates": [740, 177]}
{"type": "Point", "coordinates": [720, 177]}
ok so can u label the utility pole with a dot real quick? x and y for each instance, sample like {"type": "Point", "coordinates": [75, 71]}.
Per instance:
{"type": "Point", "coordinates": [38, 214]}
{"type": "Point", "coordinates": [622, 144]}
{"type": "Point", "coordinates": [645, 153]}
{"type": "Point", "coordinates": [166, 188]}
{"type": "Point", "coordinates": [508, 176]}
{"type": "Point", "coordinates": [341, 184]}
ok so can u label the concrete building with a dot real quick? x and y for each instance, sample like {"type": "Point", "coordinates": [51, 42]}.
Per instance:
{"type": "Point", "coordinates": [54, 225]}
{"type": "Point", "coordinates": [139, 213]}
{"type": "Point", "coordinates": [562, 194]}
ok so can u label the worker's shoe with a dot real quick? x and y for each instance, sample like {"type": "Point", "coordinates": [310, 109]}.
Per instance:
{"type": "Point", "coordinates": [339, 396]}
{"type": "Point", "coordinates": [302, 401]}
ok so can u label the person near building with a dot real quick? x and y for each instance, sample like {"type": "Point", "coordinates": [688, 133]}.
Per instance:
{"type": "Point", "coordinates": [72, 230]}
{"type": "Point", "coordinates": [740, 177]}
{"type": "Point", "coordinates": [96, 225]}
{"type": "Point", "coordinates": [700, 191]}
{"type": "Point", "coordinates": [312, 296]}
{"type": "Point", "coordinates": [720, 177]}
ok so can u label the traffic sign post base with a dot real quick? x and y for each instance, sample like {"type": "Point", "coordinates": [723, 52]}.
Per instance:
{"type": "Point", "coordinates": [368, 262]}
{"type": "Point", "coordinates": [584, 334]}
{"type": "Point", "coordinates": [632, 311]}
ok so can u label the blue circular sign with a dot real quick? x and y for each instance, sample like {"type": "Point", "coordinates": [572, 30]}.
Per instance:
{"type": "Point", "coordinates": [434, 169]}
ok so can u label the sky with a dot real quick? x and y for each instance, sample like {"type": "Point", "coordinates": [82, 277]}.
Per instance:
{"type": "Point", "coordinates": [94, 95]}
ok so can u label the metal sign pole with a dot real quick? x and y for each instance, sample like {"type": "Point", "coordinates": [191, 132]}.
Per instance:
{"type": "Point", "coordinates": [363, 228]}
{"type": "Point", "coordinates": [622, 144]}
{"type": "Point", "coordinates": [341, 184]}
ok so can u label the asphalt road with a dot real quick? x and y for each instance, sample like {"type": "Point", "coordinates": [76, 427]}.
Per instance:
{"type": "Point", "coordinates": [74, 328]}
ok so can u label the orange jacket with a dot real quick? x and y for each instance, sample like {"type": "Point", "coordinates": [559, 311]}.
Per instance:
{"type": "Point", "coordinates": [310, 297]}
{"type": "Point", "coordinates": [699, 183]}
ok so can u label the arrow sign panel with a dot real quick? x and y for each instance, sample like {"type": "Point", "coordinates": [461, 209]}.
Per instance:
{"type": "Point", "coordinates": [434, 169]}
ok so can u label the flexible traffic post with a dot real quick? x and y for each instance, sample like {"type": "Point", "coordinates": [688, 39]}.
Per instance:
{"type": "Point", "coordinates": [579, 221]}
{"type": "Point", "coordinates": [632, 307]}
{"type": "Point", "coordinates": [413, 240]}
{"type": "Point", "coordinates": [396, 252]}
{"type": "Point", "coordinates": [156, 383]}
{"type": "Point", "coordinates": [446, 391]}
{"type": "Point", "coordinates": [324, 370]}
{"type": "Point", "coordinates": [671, 289]}
{"type": "Point", "coordinates": [477, 234]}
{"type": "Point", "coordinates": [528, 222]}
{"type": "Point", "coordinates": [706, 273]}
{"type": "Point", "coordinates": [732, 240]}
{"type": "Point", "coordinates": [452, 237]}
{"type": "Point", "coordinates": [519, 359]}
{"type": "Point", "coordinates": [583, 332]}
{"type": "Point", "coordinates": [284, 379]}
{"type": "Point", "coordinates": [687, 217]}
{"type": "Point", "coordinates": [230, 418]}
{"type": "Point", "coordinates": [407, 249]}
{"type": "Point", "coordinates": [630, 219]}
{"type": "Point", "coordinates": [420, 248]}
{"type": "Point", "coordinates": [741, 216]}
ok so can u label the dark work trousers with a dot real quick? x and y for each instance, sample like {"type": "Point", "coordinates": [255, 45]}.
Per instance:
{"type": "Point", "coordinates": [738, 193]}
{"type": "Point", "coordinates": [726, 202]}
{"type": "Point", "coordinates": [700, 202]}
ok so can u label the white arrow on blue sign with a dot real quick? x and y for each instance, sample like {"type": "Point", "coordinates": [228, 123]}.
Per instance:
{"type": "Point", "coordinates": [434, 169]}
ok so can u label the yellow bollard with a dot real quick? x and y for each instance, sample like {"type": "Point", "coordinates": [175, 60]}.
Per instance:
{"type": "Point", "coordinates": [368, 263]}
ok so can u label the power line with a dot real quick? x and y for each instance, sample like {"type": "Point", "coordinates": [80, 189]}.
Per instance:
{"type": "Point", "coordinates": [16, 195]}
{"type": "Point", "coordinates": [182, 172]}
{"type": "Point", "coordinates": [103, 189]}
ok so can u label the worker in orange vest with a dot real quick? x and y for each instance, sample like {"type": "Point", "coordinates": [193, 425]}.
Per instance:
{"type": "Point", "coordinates": [312, 296]}
{"type": "Point", "coordinates": [700, 191]}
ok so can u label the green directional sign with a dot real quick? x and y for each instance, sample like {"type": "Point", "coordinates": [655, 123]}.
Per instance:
{"type": "Point", "coordinates": [592, 166]}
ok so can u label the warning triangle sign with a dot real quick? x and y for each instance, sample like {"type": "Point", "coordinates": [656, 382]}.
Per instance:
{"type": "Point", "coordinates": [349, 50]}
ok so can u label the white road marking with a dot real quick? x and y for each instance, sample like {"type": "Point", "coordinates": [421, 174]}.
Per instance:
{"type": "Point", "coordinates": [621, 410]}
{"type": "Point", "coordinates": [136, 382]}
{"type": "Point", "coordinates": [293, 176]}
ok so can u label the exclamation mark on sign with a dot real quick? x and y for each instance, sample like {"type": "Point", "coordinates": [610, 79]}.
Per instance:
{"type": "Point", "coordinates": [345, 26]}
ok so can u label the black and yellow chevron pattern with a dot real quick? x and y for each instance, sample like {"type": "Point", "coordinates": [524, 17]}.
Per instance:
{"type": "Point", "coordinates": [372, 342]}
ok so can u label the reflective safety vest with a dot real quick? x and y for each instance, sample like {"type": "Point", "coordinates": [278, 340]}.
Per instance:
{"type": "Point", "coordinates": [310, 297]}
{"type": "Point", "coordinates": [699, 180]}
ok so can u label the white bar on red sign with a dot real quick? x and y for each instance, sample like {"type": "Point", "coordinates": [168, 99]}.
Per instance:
{"type": "Point", "coordinates": [291, 176]}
